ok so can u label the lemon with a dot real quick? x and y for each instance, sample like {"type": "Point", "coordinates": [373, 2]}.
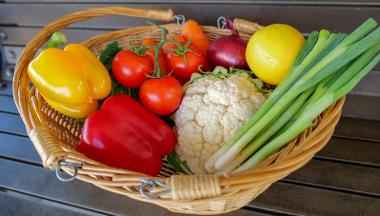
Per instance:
{"type": "Point", "coordinates": [272, 50]}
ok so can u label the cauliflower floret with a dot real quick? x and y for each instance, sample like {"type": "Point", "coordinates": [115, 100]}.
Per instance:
{"type": "Point", "coordinates": [212, 110]}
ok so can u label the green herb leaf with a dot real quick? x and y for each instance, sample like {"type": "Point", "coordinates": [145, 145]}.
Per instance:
{"type": "Point", "coordinates": [178, 164]}
{"type": "Point", "coordinates": [80, 121]}
{"type": "Point", "coordinates": [106, 57]}
{"type": "Point", "coordinates": [108, 53]}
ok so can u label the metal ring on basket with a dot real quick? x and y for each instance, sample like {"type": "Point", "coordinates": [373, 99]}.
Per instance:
{"type": "Point", "coordinates": [180, 19]}
{"type": "Point", "coordinates": [151, 184]}
{"type": "Point", "coordinates": [221, 22]}
{"type": "Point", "coordinates": [63, 163]}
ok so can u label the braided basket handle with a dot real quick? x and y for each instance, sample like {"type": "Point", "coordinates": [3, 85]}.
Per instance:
{"type": "Point", "coordinates": [182, 187]}
{"type": "Point", "coordinates": [47, 146]}
{"type": "Point", "coordinates": [190, 187]}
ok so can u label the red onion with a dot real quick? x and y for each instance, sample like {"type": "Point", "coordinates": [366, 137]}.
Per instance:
{"type": "Point", "coordinates": [228, 51]}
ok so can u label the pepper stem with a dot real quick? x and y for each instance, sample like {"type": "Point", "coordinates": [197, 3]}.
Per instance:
{"type": "Point", "coordinates": [56, 39]}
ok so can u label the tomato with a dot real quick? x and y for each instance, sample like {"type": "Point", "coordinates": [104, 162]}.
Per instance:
{"type": "Point", "coordinates": [130, 69]}
{"type": "Point", "coordinates": [183, 66]}
{"type": "Point", "coordinates": [162, 96]}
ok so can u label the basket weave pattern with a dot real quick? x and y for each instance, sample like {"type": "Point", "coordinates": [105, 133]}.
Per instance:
{"type": "Point", "coordinates": [54, 135]}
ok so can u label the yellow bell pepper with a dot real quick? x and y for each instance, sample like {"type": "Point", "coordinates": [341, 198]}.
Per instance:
{"type": "Point", "coordinates": [71, 80]}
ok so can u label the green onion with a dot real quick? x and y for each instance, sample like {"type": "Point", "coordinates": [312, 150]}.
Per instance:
{"type": "Point", "coordinates": [257, 143]}
{"type": "Point", "coordinates": [287, 119]}
{"type": "Point", "coordinates": [355, 72]}
{"type": "Point", "coordinates": [319, 91]}
{"type": "Point", "coordinates": [315, 43]}
{"type": "Point", "coordinates": [332, 62]}
{"type": "Point", "coordinates": [289, 80]}
{"type": "Point", "coordinates": [362, 30]}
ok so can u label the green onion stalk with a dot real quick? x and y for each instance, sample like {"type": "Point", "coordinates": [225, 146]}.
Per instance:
{"type": "Point", "coordinates": [319, 91]}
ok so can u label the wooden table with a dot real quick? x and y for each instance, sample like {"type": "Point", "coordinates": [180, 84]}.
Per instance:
{"type": "Point", "coordinates": [343, 179]}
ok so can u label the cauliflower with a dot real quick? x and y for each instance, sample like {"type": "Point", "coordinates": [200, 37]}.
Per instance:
{"type": "Point", "coordinates": [212, 110]}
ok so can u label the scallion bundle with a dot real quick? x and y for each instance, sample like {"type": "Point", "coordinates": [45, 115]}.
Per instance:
{"type": "Point", "coordinates": [327, 68]}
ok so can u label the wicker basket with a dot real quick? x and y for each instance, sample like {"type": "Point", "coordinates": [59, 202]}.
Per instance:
{"type": "Point", "coordinates": [54, 135]}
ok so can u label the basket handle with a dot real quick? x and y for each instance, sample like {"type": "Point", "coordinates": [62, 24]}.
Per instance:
{"type": "Point", "coordinates": [246, 26]}
{"type": "Point", "coordinates": [48, 146]}
{"type": "Point", "coordinates": [41, 37]}
{"type": "Point", "coordinates": [183, 187]}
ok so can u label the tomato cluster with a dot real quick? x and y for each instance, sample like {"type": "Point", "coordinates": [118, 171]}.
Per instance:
{"type": "Point", "coordinates": [160, 88]}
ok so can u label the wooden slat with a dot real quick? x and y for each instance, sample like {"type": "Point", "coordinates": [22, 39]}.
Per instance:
{"type": "Point", "coordinates": [358, 128]}
{"type": "Point", "coordinates": [337, 175]}
{"type": "Point", "coordinates": [351, 150]}
{"type": "Point", "coordinates": [314, 201]}
{"type": "Point", "coordinates": [39, 181]}
{"type": "Point", "coordinates": [12, 123]}
{"type": "Point", "coordinates": [6, 89]}
{"type": "Point", "coordinates": [13, 203]}
{"type": "Point", "coordinates": [7, 104]}
{"type": "Point", "coordinates": [19, 148]}
{"type": "Point", "coordinates": [368, 86]}
{"type": "Point", "coordinates": [21, 35]}
{"type": "Point", "coordinates": [363, 106]}
{"type": "Point", "coordinates": [318, 16]}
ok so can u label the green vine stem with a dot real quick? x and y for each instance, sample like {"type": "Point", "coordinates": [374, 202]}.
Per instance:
{"type": "Point", "coordinates": [157, 48]}
{"type": "Point", "coordinates": [181, 50]}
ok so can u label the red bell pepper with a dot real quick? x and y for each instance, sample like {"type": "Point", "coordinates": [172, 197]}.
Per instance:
{"type": "Point", "coordinates": [125, 135]}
